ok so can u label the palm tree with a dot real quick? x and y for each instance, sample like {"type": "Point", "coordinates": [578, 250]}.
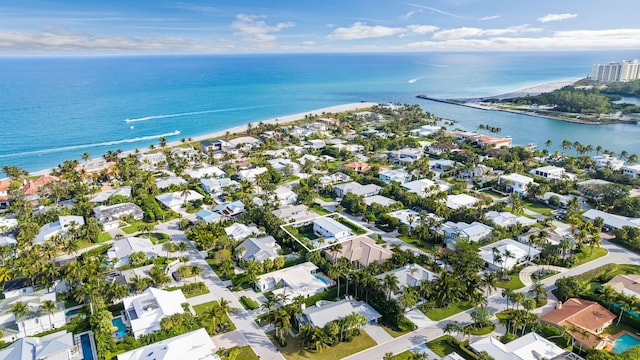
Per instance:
{"type": "Point", "coordinates": [490, 280]}
{"type": "Point", "coordinates": [86, 157]}
{"type": "Point", "coordinates": [182, 247]}
{"type": "Point", "coordinates": [609, 295]}
{"type": "Point", "coordinates": [537, 290]}
{"type": "Point", "coordinates": [20, 310]}
{"type": "Point", "coordinates": [452, 327]}
{"type": "Point", "coordinates": [390, 284]}
{"type": "Point", "coordinates": [169, 247]}
{"type": "Point", "coordinates": [548, 143]}
{"type": "Point", "coordinates": [49, 307]}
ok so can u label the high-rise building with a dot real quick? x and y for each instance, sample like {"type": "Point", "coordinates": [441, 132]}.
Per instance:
{"type": "Point", "coordinates": [616, 71]}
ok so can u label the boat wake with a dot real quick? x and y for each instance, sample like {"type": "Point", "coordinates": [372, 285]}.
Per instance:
{"type": "Point", "coordinates": [153, 117]}
{"type": "Point", "coordinates": [416, 79]}
{"type": "Point", "coordinates": [86, 146]}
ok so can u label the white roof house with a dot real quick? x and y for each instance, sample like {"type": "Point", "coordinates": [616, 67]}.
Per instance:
{"type": "Point", "coordinates": [611, 220]}
{"type": "Point", "coordinates": [319, 316]}
{"type": "Point", "coordinates": [389, 175]}
{"type": "Point", "coordinates": [316, 144]}
{"type": "Point", "coordinates": [123, 247]}
{"type": "Point", "coordinates": [515, 183]}
{"type": "Point", "coordinates": [291, 212]}
{"type": "Point", "coordinates": [207, 172]}
{"type": "Point", "coordinates": [49, 230]}
{"type": "Point", "coordinates": [250, 174]}
{"type": "Point", "coordinates": [208, 216]}
{"type": "Point", "coordinates": [106, 194]}
{"type": "Point", "coordinates": [285, 196]}
{"type": "Point", "coordinates": [36, 321]}
{"type": "Point", "coordinates": [410, 275]}
{"type": "Point", "coordinates": [240, 231]}
{"type": "Point", "coordinates": [334, 178]}
{"type": "Point", "coordinates": [330, 229]}
{"type": "Point", "coordinates": [56, 346]}
{"type": "Point", "coordinates": [552, 172]}
{"type": "Point", "coordinates": [424, 187]}
{"type": "Point", "coordinates": [472, 232]}
{"type": "Point", "coordinates": [607, 161]}
{"type": "Point", "coordinates": [195, 345]}
{"type": "Point", "coordinates": [355, 188]}
{"type": "Point", "coordinates": [259, 249]}
{"type": "Point", "coordinates": [176, 199]}
{"type": "Point", "coordinates": [519, 253]}
{"type": "Point", "coordinates": [146, 310]}
{"type": "Point", "coordinates": [152, 159]}
{"type": "Point", "coordinates": [408, 217]}
{"type": "Point", "coordinates": [297, 280]}
{"type": "Point", "coordinates": [216, 186]}
{"type": "Point", "coordinates": [230, 209]}
{"type": "Point", "coordinates": [280, 164]}
{"type": "Point", "coordinates": [460, 200]}
{"type": "Point", "coordinates": [378, 199]}
{"type": "Point", "coordinates": [505, 219]}
{"type": "Point", "coordinates": [109, 215]}
{"type": "Point", "coordinates": [172, 180]}
{"type": "Point", "coordinates": [245, 141]}
{"type": "Point", "coordinates": [528, 347]}
{"type": "Point", "coordinates": [632, 170]}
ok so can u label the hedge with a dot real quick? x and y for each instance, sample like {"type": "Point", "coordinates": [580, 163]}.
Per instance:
{"type": "Point", "coordinates": [249, 303]}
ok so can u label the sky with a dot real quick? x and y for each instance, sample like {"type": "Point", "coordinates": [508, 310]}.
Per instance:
{"type": "Point", "coordinates": [322, 26]}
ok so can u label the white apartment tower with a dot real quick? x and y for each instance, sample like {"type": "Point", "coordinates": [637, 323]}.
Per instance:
{"type": "Point", "coordinates": [620, 71]}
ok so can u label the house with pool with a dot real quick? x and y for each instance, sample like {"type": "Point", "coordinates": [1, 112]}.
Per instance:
{"type": "Point", "coordinates": [145, 311]}
{"type": "Point", "coordinates": [299, 280]}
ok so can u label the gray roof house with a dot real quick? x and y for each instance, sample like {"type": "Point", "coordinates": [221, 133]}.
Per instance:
{"type": "Point", "coordinates": [355, 188]}
{"type": "Point", "coordinates": [56, 346]}
{"type": "Point", "coordinates": [259, 249]}
{"type": "Point", "coordinates": [319, 316]}
{"type": "Point", "coordinates": [109, 216]}
{"type": "Point", "coordinates": [123, 247]}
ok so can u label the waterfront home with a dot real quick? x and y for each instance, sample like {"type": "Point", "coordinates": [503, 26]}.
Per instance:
{"type": "Point", "coordinates": [379, 199]}
{"type": "Point", "coordinates": [208, 216]}
{"type": "Point", "coordinates": [360, 167]}
{"type": "Point", "coordinates": [329, 229]}
{"type": "Point", "coordinates": [245, 142]}
{"type": "Point", "coordinates": [493, 142]}
{"type": "Point", "coordinates": [426, 130]}
{"type": "Point", "coordinates": [4, 194]}
{"type": "Point", "coordinates": [632, 170]}
{"type": "Point", "coordinates": [238, 231]}
{"type": "Point", "coordinates": [397, 175]}
{"type": "Point", "coordinates": [185, 153]}
{"type": "Point", "coordinates": [152, 160]}
{"type": "Point", "coordinates": [473, 232]}
{"type": "Point", "coordinates": [552, 172]}
{"type": "Point", "coordinates": [178, 199]}
{"type": "Point", "coordinates": [145, 311]}
{"type": "Point", "coordinates": [506, 253]}
{"type": "Point", "coordinates": [251, 174]}
{"type": "Point", "coordinates": [32, 187]}
{"type": "Point", "coordinates": [604, 161]}
{"type": "Point", "coordinates": [506, 219]}
{"type": "Point", "coordinates": [216, 187]}
{"type": "Point", "coordinates": [410, 275]}
{"type": "Point", "coordinates": [424, 187]}
{"type": "Point", "coordinates": [284, 196]}
{"type": "Point", "coordinates": [168, 181]}
{"type": "Point", "coordinates": [626, 284]}
{"type": "Point", "coordinates": [361, 250]}
{"type": "Point", "coordinates": [105, 195]}
{"type": "Point", "coordinates": [338, 177]}
{"type": "Point", "coordinates": [290, 213]}
{"type": "Point", "coordinates": [109, 216]}
{"type": "Point", "coordinates": [584, 319]}
{"type": "Point", "coordinates": [610, 220]}
{"type": "Point", "coordinates": [216, 146]}
{"type": "Point", "coordinates": [528, 347]}
{"type": "Point", "coordinates": [258, 249]}
{"type": "Point", "coordinates": [231, 209]}
{"type": "Point", "coordinates": [56, 346]}
{"type": "Point", "coordinates": [36, 320]}
{"type": "Point", "coordinates": [322, 313]}
{"type": "Point", "coordinates": [206, 172]}
{"type": "Point", "coordinates": [459, 201]}
{"type": "Point", "coordinates": [122, 248]}
{"type": "Point", "coordinates": [355, 188]}
{"type": "Point", "coordinates": [196, 345]}
{"type": "Point", "coordinates": [515, 183]}
{"type": "Point", "coordinates": [297, 280]}
{"type": "Point", "coordinates": [63, 225]}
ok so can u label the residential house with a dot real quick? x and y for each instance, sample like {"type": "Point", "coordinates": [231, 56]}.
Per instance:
{"type": "Point", "coordinates": [208, 216]}
{"type": "Point", "coordinates": [477, 171]}
{"type": "Point", "coordinates": [105, 195]}
{"type": "Point", "coordinates": [319, 315]}
{"type": "Point", "coordinates": [316, 144]}
{"type": "Point", "coordinates": [178, 199]}
{"type": "Point", "coordinates": [4, 194]}
{"type": "Point", "coordinates": [284, 196]}
{"type": "Point", "coordinates": [109, 216]}
{"type": "Point", "coordinates": [528, 347]}
{"type": "Point", "coordinates": [506, 253]}
{"type": "Point", "coordinates": [216, 146]}
{"type": "Point", "coordinates": [297, 280]}
{"type": "Point", "coordinates": [410, 275]}
{"type": "Point", "coordinates": [440, 165]}
{"type": "Point", "coordinates": [152, 160]}
{"type": "Point", "coordinates": [283, 165]}
{"type": "Point", "coordinates": [8, 223]}
{"type": "Point", "coordinates": [563, 200]}
{"type": "Point", "coordinates": [56, 346]}
{"type": "Point", "coordinates": [290, 213]}
{"type": "Point", "coordinates": [145, 311]}
{"type": "Point", "coordinates": [216, 187]}
{"type": "Point", "coordinates": [207, 172]}
{"type": "Point", "coordinates": [123, 247]}
{"type": "Point", "coordinates": [231, 209]}
{"type": "Point", "coordinates": [604, 161]}
{"type": "Point", "coordinates": [406, 156]}
{"type": "Point", "coordinates": [493, 142]}
{"type": "Point", "coordinates": [584, 319]}
{"type": "Point", "coordinates": [330, 229]}
{"type": "Point", "coordinates": [552, 172]}
{"type": "Point", "coordinates": [632, 170]}
{"type": "Point", "coordinates": [16, 287]}
{"type": "Point", "coordinates": [594, 188]}
{"type": "Point", "coordinates": [398, 175]}
{"type": "Point", "coordinates": [461, 200]}
{"type": "Point", "coordinates": [258, 249]}
{"type": "Point", "coordinates": [551, 236]}
{"type": "Point", "coordinates": [361, 250]}
{"type": "Point", "coordinates": [360, 167]}
{"type": "Point", "coordinates": [426, 130]}
{"type": "Point", "coordinates": [338, 177]}
{"type": "Point", "coordinates": [378, 199]}
{"type": "Point", "coordinates": [185, 153]}
{"type": "Point", "coordinates": [239, 231]}
{"type": "Point", "coordinates": [245, 142]}
{"type": "Point", "coordinates": [626, 284]}
{"type": "Point", "coordinates": [409, 217]}
{"type": "Point", "coordinates": [473, 232]}
{"type": "Point", "coordinates": [515, 183]}
{"type": "Point", "coordinates": [35, 321]}
{"type": "Point", "coordinates": [32, 187]}
{"type": "Point", "coordinates": [439, 149]}
{"type": "Point", "coordinates": [196, 345]}
{"type": "Point", "coordinates": [171, 180]}
{"type": "Point", "coordinates": [251, 174]}
{"type": "Point", "coordinates": [424, 187]}
{"type": "Point", "coordinates": [610, 220]}
{"type": "Point", "coordinates": [64, 224]}
{"type": "Point", "coordinates": [355, 188]}
{"type": "Point", "coordinates": [352, 148]}
{"type": "Point", "coordinates": [506, 219]}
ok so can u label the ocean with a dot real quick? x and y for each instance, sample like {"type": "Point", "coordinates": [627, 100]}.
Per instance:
{"type": "Point", "coordinates": [56, 108]}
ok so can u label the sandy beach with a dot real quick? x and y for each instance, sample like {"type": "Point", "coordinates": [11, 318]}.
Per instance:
{"type": "Point", "coordinates": [95, 163]}
{"type": "Point", "coordinates": [536, 89]}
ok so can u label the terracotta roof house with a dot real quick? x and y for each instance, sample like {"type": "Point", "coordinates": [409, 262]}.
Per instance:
{"type": "Point", "coordinates": [31, 187]}
{"type": "Point", "coordinates": [362, 250]}
{"type": "Point", "coordinates": [360, 167]}
{"type": "Point", "coordinates": [626, 284]}
{"type": "Point", "coordinates": [584, 319]}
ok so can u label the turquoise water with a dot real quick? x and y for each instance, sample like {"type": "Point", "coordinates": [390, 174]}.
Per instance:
{"type": "Point", "coordinates": [73, 312]}
{"type": "Point", "coordinates": [121, 330]}
{"type": "Point", "coordinates": [87, 352]}
{"type": "Point", "coordinates": [322, 279]}
{"type": "Point", "coordinates": [56, 108]}
{"type": "Point", "coordinates": [624, 342]}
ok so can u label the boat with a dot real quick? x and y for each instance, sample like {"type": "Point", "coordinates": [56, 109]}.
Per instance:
{"type": "Point", "coordinates": [531, 146]}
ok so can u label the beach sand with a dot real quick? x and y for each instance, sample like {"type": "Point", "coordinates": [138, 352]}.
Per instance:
{"type": "Point", "coordinates": [535, 89]}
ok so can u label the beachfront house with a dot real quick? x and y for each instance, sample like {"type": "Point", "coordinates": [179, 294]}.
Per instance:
{"type": "Point", "coordinates": [606, 161]}
{"type": "Point", "coordinates": [216, 146]}
{"type": "Point", "coordinates": [515, 183]}
{"type": "Point", "coordinates": [145, 311]}
{"type": "Point", "coordinates": [632, 170]}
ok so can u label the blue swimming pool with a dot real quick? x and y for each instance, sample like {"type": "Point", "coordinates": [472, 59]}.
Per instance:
{"type": "Point", "coordinates": [121, 328]}
{"type": "Point", "coordinates": [624, 342]}
{"type": "Point", "coordinates": [87, 352]}
{"type": "Point", "coordinates": [322, 279]}
{"type": "Point", "coordinates": [73, 312]}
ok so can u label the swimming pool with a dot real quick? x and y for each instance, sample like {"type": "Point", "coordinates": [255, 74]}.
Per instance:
{"type": "Point", "coordinates": [87, 352]}
{"type": "Point", "coordinates": [625, 341]}
{"type": "Point", "coordinates": [73, 312]}
{"type": "Point", "coordinates": [121, 328]}
{"type": "Point", "coordinates": [325, 281]}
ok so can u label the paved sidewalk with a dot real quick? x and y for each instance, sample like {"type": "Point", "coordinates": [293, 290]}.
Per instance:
{"type": "Point", "coordinates": [229, 340]}
{"type": "Point", "coordinates": [419, 319]}
{"type": "Point", "coordinates": [525, 274]}
{"type": "Point", "coordinates": [377, 333]}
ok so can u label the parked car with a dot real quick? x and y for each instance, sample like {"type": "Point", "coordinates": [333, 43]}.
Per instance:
{"type": "Point", "coordinates": [176, 276]}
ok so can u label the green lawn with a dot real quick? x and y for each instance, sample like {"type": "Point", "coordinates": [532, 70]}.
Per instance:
{"type": "Point", "coordinates": [246, 353]}
{"type": "Point", "coordinates": [441, 346]}
{"type": "Point", "coordinates": [133, 227]}
{"type": "Point", "coordinates": [307, 232]}
{"type": "Point", "coordinates": [422, 245]}
{"type": "Point", "coordinates": [396, 333]}
{"type": "Point", "coordinates": [438, 314]}
{"type": "Point", "coordinates": [188, 294]}
{"type": "Point", "coordinates": [320, 210]}
{"type": "Point", "coordinates": [293, 350]}
{"type": "Point", "coordinates": [514, 283]}
{"type": "Point", "coordinates": [202, 308]}
{"type": "Point", "coordinates": [585, 255]}
{"type": "Point", "coordinates": [538, 207]}
{"type": "Point", "coordinates": [156, 237]}
{"type": "Point", "coordinates": [104, 236]}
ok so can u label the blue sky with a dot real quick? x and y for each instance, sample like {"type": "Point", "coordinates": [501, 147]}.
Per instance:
{"type": "Point", "coordinates": [254, 26]}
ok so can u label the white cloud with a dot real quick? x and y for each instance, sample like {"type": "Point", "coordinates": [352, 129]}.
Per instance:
{"type": "Point", "coordinates": [435, 10]}
{"type": "Point", "coordinates": [557, 17]}
{"type": "Point", "coordinates": [408, 15]}
{"type": "Point", "coordinates": [257, 31]}
{"type": "Point", "coordinates": [468, 32]}
{"type": "Point", "coordinates": [492, 17]}
{"type": "Point", "coordinates": [359, 31]}
{"type": "Point", "coordinates": [422, 29]}
{"type": "Point", "coordinates": [308, 43]}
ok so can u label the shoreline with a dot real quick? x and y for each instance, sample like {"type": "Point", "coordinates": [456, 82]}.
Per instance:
{"type": "Point", "coordinates": [286, 119]}
{"type": "Point", "coordinates": [535, 89]}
